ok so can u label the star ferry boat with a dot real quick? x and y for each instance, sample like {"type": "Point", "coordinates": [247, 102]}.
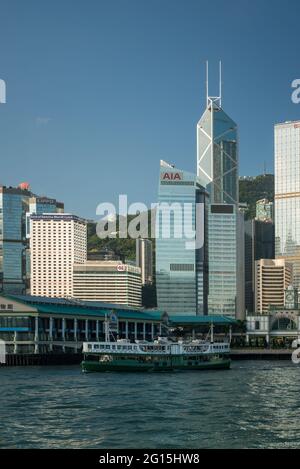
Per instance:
{"type": "Point", "coordinates": [160, 355]}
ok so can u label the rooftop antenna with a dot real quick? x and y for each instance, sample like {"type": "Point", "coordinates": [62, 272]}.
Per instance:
{"type": "Point", "coordinates": [207, 82]}
{"type": "Point", "coordinates": [214, 99]}
{"type": "Point", "coordinates": [220, 82]}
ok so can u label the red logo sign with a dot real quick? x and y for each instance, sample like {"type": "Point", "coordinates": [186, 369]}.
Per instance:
{"type": "Point", "coordinates": [171, 177]}
{"type": "Point", "coordinates": [121, 268]}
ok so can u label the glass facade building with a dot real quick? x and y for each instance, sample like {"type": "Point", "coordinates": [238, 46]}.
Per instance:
{"type": "Point", "coordinates": [181, 265]}
{"type": "Point", "coordinates": [16, 204]}
{"type": "Point", "coordinates": [217, 155]}
{"type": "Point", "coordinates": [13, 206]}
{"type": "Point", "coordinates": [259, 244]}
{"type": "Point", "coordinates": [287, 195]}
{"type": "Point", "coordinates": [217, 169]}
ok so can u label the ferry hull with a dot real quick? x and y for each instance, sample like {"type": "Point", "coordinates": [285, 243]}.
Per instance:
{"type": "Point", "coordinates": [90, 366]}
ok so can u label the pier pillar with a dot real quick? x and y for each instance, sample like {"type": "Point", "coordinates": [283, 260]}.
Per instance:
{"type": "Point", "coordinates": [86, 329]}
{"type": "Point", "coordinates": [36, 335]}
{"type": "Point", "coordinates": [135, 330]}
{"type": "Point", "coordinates": [160, 329]}
{"type": "Point", "coordinates": [126, 329]}
{"type": "Point", "coordinates": [15, 342]}
{"type": "Point", "coordinates": [50, 333]}
{"type": "Point", "coordinates": [152, 331]}
{"type": "Point", "coordinates": [247, 339]}
{"type": "Point", "coordinates": [75, 329]}
{"type": "Point", "coordinates": [63, 332]}
{"type": "Point", "coordinates": [97, 330]}
{"type": "Point", "coordinates": [63, 329]}
{"type": "Point", "coordinates": [144, 330]}
{"type": "Point", "coordinates": [230, 334]}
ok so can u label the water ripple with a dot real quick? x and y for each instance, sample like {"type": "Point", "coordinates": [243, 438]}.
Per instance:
{"type": "Point", "coordinates": [254, 405]}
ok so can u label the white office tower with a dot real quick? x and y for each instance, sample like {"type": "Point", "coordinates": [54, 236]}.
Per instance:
{"type": "Point", "coordinates": [108, 282]}
{"type": "Point", "coordinates": [287, 195]}
{"type": "Point", "coordinates": [57, 242]}
{"type": "Point", "coordinates": [272, 278]}
{"type": "Point", "coordinates": [217, 170]}
{"type": "Point", "coordinates": [144, 259]}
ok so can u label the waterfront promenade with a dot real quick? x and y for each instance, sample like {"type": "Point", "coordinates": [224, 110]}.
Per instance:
{"type": "Point", "coordinates": [76, 358]}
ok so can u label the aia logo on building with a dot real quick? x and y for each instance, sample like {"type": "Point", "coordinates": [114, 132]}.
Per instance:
{"type": "Point", "coordinates": [121, 268]}
{"type": "Point", "coordinates": [171, 176]}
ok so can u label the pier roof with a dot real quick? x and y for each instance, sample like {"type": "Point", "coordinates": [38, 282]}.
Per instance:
{"type": "Point", "coordinates": [198, 320]}
{"type": "Point", "coordinates": [70, 307]}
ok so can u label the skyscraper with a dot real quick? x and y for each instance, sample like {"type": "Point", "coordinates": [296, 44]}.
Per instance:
{"type": "Point", "coordinates": [16, 204]}
{"type": "Point", "coordinates": [108, 281]}
{"type": "Point", "coordinates": [287, 195]}
{"type": "Point", "coordinates": [13, 206]}
{"type": "Point", "coordinates": [217, 169]}
{"type": "Point", "coordinates": [57, 242]}
{"type": "Point", "coordinates": [272, 278]}
{"type": "Point", "coordinates": [259, 244]}
{"type": "Point", "coordinates": [181, 266]}
{"type": "Point", "coordinates": [144, 259]}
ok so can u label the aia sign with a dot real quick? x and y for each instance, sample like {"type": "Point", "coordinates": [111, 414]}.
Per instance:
{"type": "Point", "coordinates": [168, 176]}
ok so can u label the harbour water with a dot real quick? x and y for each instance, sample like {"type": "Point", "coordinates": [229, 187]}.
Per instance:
{"type": "Point", "coordinates": [256, 404]}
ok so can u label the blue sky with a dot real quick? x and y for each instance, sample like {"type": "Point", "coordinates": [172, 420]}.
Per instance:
{"type": "Point", "coordinates": [99, 91]}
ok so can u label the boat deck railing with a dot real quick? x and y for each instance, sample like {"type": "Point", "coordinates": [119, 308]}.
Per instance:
{"type": "Point", "coordinates": [151, 348]}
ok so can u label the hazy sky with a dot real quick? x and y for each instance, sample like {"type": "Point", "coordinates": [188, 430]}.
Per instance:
{"type": "Point", "coordinates": [99, 91]}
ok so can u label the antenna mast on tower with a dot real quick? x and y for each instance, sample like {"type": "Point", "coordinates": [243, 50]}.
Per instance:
{"type": "Point", "coordinates": [214, 99]}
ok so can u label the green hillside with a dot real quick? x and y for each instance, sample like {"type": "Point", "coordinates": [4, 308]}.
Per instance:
{"type": "Point", "coordinates": [251, 190]}
{"type": "Point", "coordinates": [254, 189]}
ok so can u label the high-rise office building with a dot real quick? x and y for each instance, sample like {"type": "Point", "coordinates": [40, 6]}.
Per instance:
{"type": "Point", "coordinates": [108, 281]}
{"type": "Point", "coordinates": [287, 195]}
{"type": "Point", "coordinates": [264, 210]}
{"type": "Point", "coordinates": [272, 278]}
{"type": "Point", "coordinates": [144, 259]}
{"type": "Point", "coordinates": [57, 242]}
{"type": "Point", "coordinates": [259, 244]}
{"type": "Point", "coordinates": [16, 204]}
{"type": "Point", "coordinates": [217, 169]}
{"type": "Point", "coordinates": [181, 264]}
{"type": "Point", "coordinates": [226, 266]}
{"type": "Point", "coordinates": [13, 207]}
